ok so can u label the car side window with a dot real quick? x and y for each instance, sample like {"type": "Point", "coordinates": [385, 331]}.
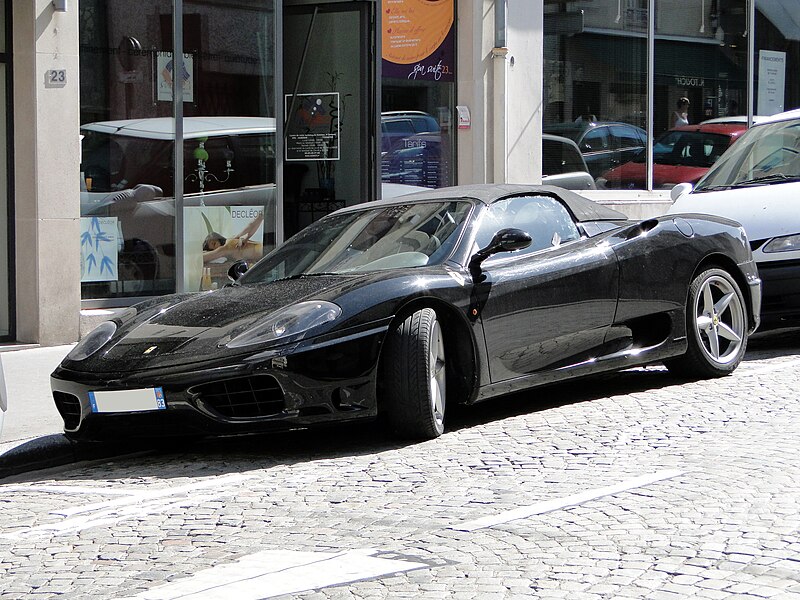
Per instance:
{"type": "Point", "coordinates": [624, 137]}
{"type": "Point", "coordinates": [545, 219]}
{"type": "Point", "coordinates": [596, 140]}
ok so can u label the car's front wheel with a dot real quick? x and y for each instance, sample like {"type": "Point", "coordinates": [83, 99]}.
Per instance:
{"type": "Point", "coordinates": [716, 323]}
{"type": "Point", "coordinates": [414, 380]}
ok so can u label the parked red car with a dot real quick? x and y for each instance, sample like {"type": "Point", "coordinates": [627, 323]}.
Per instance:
{"type": "Point", "coordinates": [680, 155]}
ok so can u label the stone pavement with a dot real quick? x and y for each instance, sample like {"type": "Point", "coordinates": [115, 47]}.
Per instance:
{"type": "Point", "coordinates": [635, 485]}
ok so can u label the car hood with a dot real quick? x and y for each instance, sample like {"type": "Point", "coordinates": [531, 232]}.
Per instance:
{"type": "Point", "coordinates": [195, 328]}
{"type": "Point", "coordinates": [765, 211]}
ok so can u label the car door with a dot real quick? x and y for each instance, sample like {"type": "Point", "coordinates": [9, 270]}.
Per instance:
{"type": "Point", "coordinates": [548, 305]}
{"type": "Point", "coordinates": [626, 141]}
{"type": "Point", "coordinates": [596, 149]}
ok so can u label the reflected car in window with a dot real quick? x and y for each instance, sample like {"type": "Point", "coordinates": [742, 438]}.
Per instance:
{"type": "Point", "coordinates": [399, 124]}
{"type": "Point", "coordinates": [680, 155]}
{"type": "Point", "coordinates": [604, 144]}
{"type": "Point", "coordinates": [563, 164]}
{"type": "Point", "coordinates": [397, 310]}
{"type": "Point", "coordinates": [757, 183]}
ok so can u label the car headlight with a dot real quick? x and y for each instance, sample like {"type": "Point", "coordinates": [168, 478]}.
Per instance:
{"type": "Point", "coordinates": [292, 323]}
{"type": "Point", "coordinates": [94, 340]}
{"type": "Point", "coordinates": [783, 244]}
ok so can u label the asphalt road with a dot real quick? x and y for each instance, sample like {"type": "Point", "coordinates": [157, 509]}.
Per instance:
{"type": "Point", "coordinates": [634, 485]}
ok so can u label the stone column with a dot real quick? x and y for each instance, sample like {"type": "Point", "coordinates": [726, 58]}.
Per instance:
{"type": "Point", "coordinates": [46, 171]}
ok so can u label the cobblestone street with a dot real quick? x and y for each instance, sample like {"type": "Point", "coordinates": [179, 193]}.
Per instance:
{"type": "Point", "coordinates": [635, 485]}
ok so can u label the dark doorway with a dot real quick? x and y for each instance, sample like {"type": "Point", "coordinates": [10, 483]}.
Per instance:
{"type": "Point", "coordinates": [328, 108]}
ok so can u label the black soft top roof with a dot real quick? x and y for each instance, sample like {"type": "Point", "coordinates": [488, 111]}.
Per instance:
{"type": "Point", "coordinates": [582, 208]}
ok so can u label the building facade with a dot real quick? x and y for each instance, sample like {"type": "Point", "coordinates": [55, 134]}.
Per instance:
{"type": "Point", "coordinates": [149, 145]}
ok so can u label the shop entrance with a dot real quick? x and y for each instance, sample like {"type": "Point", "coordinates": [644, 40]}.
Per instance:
{"type": "Point", "coordinates": [329, 109]}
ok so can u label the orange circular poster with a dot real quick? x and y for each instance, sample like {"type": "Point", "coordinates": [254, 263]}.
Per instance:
{"type": "Point", "coordinates": [414, 29]}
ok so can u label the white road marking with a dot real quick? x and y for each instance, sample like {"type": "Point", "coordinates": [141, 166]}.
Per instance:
{"type": "Point", "coordinates": [136, 504]}
{"type": "Point", "coordinates": [559, 503]}
{"type": "Point", "coordinates": [275, 572]}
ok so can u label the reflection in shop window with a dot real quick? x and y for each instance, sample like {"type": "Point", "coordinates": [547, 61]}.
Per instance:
{"type": "Point", "coordinates": [129, 244]}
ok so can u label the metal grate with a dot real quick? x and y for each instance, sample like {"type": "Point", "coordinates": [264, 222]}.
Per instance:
{"type": "Point", "coordinates": [247, 397]}
{"type": "Point", "coordinates": [69, 407]}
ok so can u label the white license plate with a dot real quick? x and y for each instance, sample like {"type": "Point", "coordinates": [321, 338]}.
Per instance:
{"type": "Point", "coordinates": [127, 400]}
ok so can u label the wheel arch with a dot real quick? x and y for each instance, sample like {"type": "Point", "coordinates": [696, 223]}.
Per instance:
{"type": "Point", "coordinates": [728, 265]}
{"type": "Point", "coordinates": [460, 346]}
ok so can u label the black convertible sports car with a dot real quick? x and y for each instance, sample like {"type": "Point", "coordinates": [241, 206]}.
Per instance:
{"type": "Point", "coordinates": [395, 309]}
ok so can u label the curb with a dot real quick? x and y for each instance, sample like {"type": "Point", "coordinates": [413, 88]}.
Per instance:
{"type": "Point", "coordinates": [39, 453]}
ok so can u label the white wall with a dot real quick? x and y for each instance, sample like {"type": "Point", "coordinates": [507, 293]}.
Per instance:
{"type": "Point", "coordinates": [46, 172]}
{"type": "Point", "coordinates": [503, 91]}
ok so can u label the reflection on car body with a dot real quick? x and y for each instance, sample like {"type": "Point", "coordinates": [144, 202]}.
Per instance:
{"type": "Point", "coordinates": [398, 309]}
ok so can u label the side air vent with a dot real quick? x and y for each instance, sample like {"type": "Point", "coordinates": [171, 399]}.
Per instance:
{"type": "Point", "coordinates": [69, 407]}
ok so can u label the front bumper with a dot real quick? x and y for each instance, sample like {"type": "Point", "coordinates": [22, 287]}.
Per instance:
{"type": "Point", "coordinates": [780, 305]}
{"type": "Point", "coordinates": [332, 382]}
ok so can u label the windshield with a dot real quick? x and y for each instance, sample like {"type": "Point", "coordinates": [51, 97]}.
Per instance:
{"type": "Point", "coordinates": [765, 153]}
{"type": "Point", "coordinates": [397, 236]}
{"type": "Point", "coordinates": [687, 148]}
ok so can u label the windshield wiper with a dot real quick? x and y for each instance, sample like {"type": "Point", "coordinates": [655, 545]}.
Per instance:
{"type": "Point", "coordinates": [767, 179]}
{"type": "Point", "coordinates": [711, 188]}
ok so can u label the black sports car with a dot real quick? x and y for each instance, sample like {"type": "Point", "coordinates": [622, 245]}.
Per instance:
{"type": "Point", "coordinates": [395, 309]}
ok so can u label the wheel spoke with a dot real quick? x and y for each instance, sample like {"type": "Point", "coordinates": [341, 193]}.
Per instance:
{"type": "Point", "coordinates": [704, 322]}
{"type": "Point", "coordinates": [437, 372]}
{"type": "Point", "coordinates": [723, 303]}
{"type": "Point", "coordinates": [708, 299]}
{"type": "Point", "coordinates": [713, 342]}
{"type": "Point", "coordinates": [728, 333]}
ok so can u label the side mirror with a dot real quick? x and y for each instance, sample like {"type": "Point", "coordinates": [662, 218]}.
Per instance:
{"type": "Point", "coordinates": [680, 190]}
{"type": "Point", "coordinates": [505, 240]}
{"type": "Point", "coordinates": [237, 269]}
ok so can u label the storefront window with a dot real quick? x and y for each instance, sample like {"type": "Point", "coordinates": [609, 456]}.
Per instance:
{"type": "Point", "coordinates": [418, 94]}
{"type": "Point", "coordinates": [130, 246]}
{"type": "Point", "coordinates": [595, 72]}
{"type": "Point", "coordinates": [595, 89]}
{"type": "Point", "coordinates": [229, 207]}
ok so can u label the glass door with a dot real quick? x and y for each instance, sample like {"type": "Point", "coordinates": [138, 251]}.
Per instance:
{"type": "Point", "coordinates": [329, 109]}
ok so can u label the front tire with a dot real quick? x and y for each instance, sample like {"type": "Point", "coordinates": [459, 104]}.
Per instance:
{"type": "Point", "coordinates": [414, 377]}
{"type": "Point", "coordinates": [716, 327]}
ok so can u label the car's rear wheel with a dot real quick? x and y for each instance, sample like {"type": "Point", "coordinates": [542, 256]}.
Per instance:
{"type": "Point", "coordinates": [414, 377]}
{"type": "Point", "coordinates": [716, 323]}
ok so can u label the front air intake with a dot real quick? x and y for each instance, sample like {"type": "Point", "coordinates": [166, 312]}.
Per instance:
{"type": "Point", "coordinates": [242, 398]}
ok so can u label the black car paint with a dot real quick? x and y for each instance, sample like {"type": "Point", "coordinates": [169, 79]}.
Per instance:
{"type": "Point", "coordinates": [612, 300]}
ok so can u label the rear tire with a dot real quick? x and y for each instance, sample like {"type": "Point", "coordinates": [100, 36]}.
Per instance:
{"type": "Point", "coordinates": [716, 327]}
{"type": "Point", "coordinates": [413, 377]}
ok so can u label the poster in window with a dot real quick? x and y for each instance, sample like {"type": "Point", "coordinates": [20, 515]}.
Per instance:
{"type": "Point", "coordinates": [313, 127]}
{"type": "Point", "coordinates": [165, 76]}
{"type": "Point", "coordinates": [771, 82]}
{"type": "Point", "coordinates": [99, 249]}
{"type": "Point", "coordinates": [217, 236]}
{"type": "Point", "coordinates": [418, 40]}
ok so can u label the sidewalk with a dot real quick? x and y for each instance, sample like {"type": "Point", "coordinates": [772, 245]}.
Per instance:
{"type": "Point", "coordinates": [31, 435]}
